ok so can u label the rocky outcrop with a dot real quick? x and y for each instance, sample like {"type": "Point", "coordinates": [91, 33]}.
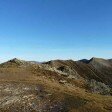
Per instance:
{"type": "Point", "coordinates": [99, 87]}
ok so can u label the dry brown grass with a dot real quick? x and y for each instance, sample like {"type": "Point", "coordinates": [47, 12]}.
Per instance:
{"type": "Point", "coordinates": [73, 98]}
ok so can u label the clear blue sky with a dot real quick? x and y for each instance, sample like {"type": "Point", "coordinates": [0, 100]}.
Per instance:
{"type": "Point", "coordinates": [51, 29]}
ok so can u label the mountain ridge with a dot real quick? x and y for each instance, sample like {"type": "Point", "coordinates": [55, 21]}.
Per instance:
{"type": "Point", "coordinates": [56, 85]}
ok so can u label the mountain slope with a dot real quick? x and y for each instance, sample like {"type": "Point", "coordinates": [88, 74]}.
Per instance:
{"type": "Point", "coordinates": [95, 68]}
{"type": "Point", "coordinates": [56, 86]}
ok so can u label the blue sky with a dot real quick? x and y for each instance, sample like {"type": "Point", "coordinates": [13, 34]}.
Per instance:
{"type": "Point", "coordinates": [55, 29]}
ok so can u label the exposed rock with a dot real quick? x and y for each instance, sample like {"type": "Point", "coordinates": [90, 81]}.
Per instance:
{"type": "Point", "coordinates": [62, 81]}
{"type": "Point", "coordinates": [99, 87]}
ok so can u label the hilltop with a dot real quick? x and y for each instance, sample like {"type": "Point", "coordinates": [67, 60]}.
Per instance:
{"type": "Point", "coordinates": [56, 86]}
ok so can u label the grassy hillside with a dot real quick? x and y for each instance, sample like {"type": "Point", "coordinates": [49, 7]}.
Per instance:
{"type": "Point", "coordinates": [55, 86]}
